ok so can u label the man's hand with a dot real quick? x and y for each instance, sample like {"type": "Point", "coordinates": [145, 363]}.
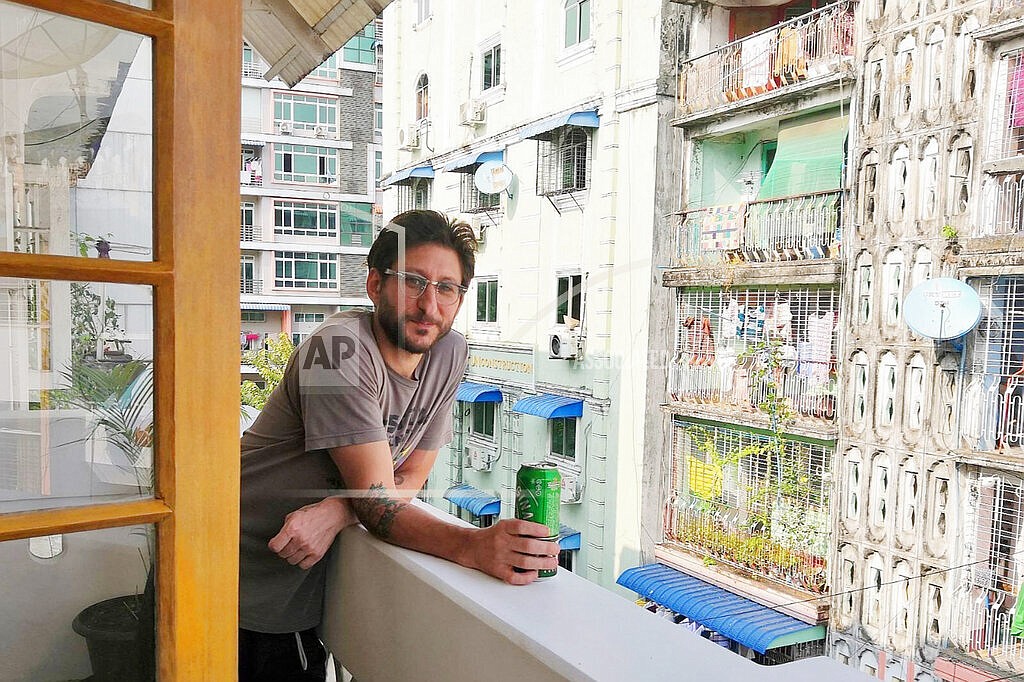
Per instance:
{"type": "Point", "coordinates": [507, 545]}
{"type": "Point", "coordinates": [308, 532]}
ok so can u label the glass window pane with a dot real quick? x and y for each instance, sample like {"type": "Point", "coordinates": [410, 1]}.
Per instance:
{"type": "Point", "coordinates": [570, 24]}
{"type": "Point", "coordinates": [492, 302]}
{"type": "Point", "coordinates": [584, 19]}
{"type": "Point", "coordinates": [77, 607]}
{"type": "Point", "coordinates": [77, 420]}
{"type": "Point", "coordinates": [78, 135]}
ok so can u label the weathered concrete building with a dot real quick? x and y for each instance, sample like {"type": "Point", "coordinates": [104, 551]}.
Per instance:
{"type": "Point", "coordinates": [927, 510]}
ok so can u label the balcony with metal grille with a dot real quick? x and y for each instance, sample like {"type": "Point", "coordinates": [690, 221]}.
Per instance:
{"type": "Point", "coordinates": [794, 57]}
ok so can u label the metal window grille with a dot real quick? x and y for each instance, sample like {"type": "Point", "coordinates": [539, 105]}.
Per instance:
{"type": "Point", "coordinates": [1008, 112]}
{"type": "Point", "coordinates": [810, 46]}
{"type": "Point", "coordinates": [733, 347]}
{"type": "Point", "coordinates": [414, 194]}
{"type": "Point", "coordinates": [750, 501]}
{"type": "Point", "coordinates": [992, 409]}
{"type": "Point", "coordinates": [472, 199]}
{"type": "Point", "coordinates": [563, 161]}
{"type": "Point", "coordinates": [996, 504]}
{"type": "Point", "coordinates": [1003, 198]}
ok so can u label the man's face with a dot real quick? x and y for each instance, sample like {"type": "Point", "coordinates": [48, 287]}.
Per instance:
{"type": "Point", "coordinates": [416, 324]}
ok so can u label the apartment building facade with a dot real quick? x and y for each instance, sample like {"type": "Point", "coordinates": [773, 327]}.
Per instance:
{"type": "Point", "coordinates": [309, 165]}
{"type": "Point", "coordinates": [544, 126]}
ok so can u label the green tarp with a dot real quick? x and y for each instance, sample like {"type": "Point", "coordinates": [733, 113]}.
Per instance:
{"type": "Point", "coordinates": [809, 158]}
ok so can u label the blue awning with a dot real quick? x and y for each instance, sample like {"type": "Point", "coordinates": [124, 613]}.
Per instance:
{"type": "Point", "coordinates": [738, 618]}
{"type": "Point", "coordinates": [478, 393]}
{"type": "Point", "coordinates": [539, 129]}
{"type": "Point", "coordinates": [406, 173]}
{"type": "Point", "coordinates": [549, 406]}
{"type": "Point", "coordinates": [264, 306]}
{"type": "Point", "coordinates": [464, 163]}
{"type": "Point", "coordinates": [568, 538]}
{"type": "Point", "coordinates": [473, 500]}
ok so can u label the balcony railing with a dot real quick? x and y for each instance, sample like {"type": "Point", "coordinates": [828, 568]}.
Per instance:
{"type": "Point", "coordinates": [565, 628]}
{"type": "Point", "coordinates": [770, 61]}
{"type": "Point", "coordinates": [791, 228]}
{"type": "Point", "coordinates": [252, 69]}
{"type": "Point", "coordinates": [251, 178]}
{"type": "Point", "coordinates": [807, 387]}
{"type": "Point", "coordinates": [992, 414]}
{"type": "Point", "coordinates": [726, 535]}
{"type": "Point", "coordinates": [32, 240]}
{"type": "Point", "coordinates": [252, 233]}
{"type": "Point", "coordinates": [251, 286]}
{"type": "Point", "coordinates": [1002, 197]}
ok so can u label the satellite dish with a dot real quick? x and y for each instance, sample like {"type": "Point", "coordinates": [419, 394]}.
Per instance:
{"type": "Point", "coordinates": [492, 177]}
{"type": "Point", "coordinates": [942, 308]}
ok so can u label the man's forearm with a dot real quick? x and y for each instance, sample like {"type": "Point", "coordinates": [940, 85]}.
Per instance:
{"type": "Point", "coordinates": [391, 517]}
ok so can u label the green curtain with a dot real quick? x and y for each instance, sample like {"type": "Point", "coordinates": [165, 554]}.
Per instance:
{"type": "Point", "coordinates": [809, 158]}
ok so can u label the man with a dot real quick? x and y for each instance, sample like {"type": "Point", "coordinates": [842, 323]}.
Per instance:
{"type": "Point", "coordinates": [351, 432]}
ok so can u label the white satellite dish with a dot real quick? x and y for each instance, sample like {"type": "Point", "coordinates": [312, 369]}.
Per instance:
{"type": "Point", "coordinates": [942, 308]}
{"type": "Point", "coordinates": [492, 177]}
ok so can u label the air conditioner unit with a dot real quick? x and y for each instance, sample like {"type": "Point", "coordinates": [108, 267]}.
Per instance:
{"type": "Point", "coordinates": [563, 344]}
{"type": "Point", "coordinates": [570, 487]}
{"type": "Point", "coordinates": [472, 113]}
{"type": "Point", "coordinates": [409, 137]}
{"type": "Point", "coordinates": [477, 458]}
{"type": "Point", "coordinates": [285, 128]}
{"type": "Point", "coordinates": [474, 222]}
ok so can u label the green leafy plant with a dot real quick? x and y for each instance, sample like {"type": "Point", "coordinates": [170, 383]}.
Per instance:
{"type": "Point", "coordinates": [270, 363]}
{"type": "Point", "coordinates": [950, 233]}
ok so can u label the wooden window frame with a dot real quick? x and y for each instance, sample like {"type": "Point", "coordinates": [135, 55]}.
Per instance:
{"type": "Point", "coordinates": [196, 63]}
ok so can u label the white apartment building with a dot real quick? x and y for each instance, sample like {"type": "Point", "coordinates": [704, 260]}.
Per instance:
{"type": "Point", "coordinates": [562, 107]}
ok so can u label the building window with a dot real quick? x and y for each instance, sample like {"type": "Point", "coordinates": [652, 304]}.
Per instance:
{"type": "Point", "coordinates": [569, 301]}
{"type": "Point", "coordinates": [247, 275]}
{"type": "Point", "coordinates": [301, 163]}
{"type": "Point", "coordinates": [860, 387]}
{"type": "Point", "coordinates": [929, 179]}
{"type": "Point", "coordinates": [378, 165]}
{"type": "Point", "coordinates": [356, 224]}
{"type": "Point", "coordinates": [483, 416]}
{"type": "Point", "coordinates": [490, 63]}
{"type": "Point", "coordinates": [306, 218]}
{"type": "Point", "coordinates": [961, 163]}
{"type": "Point", "coordinates": [305, 270]}
{"type": "Point", "coordinates": [577, 21]}
{"type": "Point", "coordinates": [487, 300]}
{"type": "Point", "coordinates": [934, 68]}
{"type": "Point", "coordinates": [313, 318]}
{"type": "Point", "coordinates": [879, 491]}
{"type": "Point", "coordinates": [414, 194]}
{"type": "Point", "coordinates": [563, 161]}
{"type": "Point", "coordinates": [298, 338]}
{"type": "Point", "coordinates": [863, 287]}
{"type": "Point", "coordinates": [915, 399]}
{"type": "Point", "coordinates": [899, 168]}
{"type": "Point", "coordinates": [905, 75]}
{"type": "Point", "coordinates": [378, 118]}
{"type": "Point", "coordinates": [253, 316]}
{"type": "Point", "coordinates": [250, 63]}
{"type": "Point", "coordinates": [422, 97]}
{"type": "Point", "coordinates": [328, 69]}
{"type": "Point", "coordinates": [869, 187]}
{"type": "Point", "coordinates": [567, 559]}
{"type": "Point", "coordinates": [472, 199]}
{"type": "Point", "coordinates": [873, 95]}
{"type": "Point", "coordinates": [362, 47]}
{"type": "Point", "coordinates": [563, 437]}
{"type": "Point", "coordinates": [422, 11]}
{"type": "Point", "coordinates": [964, 74]}
{"type": "Point", "coordinates": [852, 489]}
{"type": "Point", "coordinates": [305, 112]}
{"type": "Point", "coordinates": [248, 210]}
{"type": "Point", "coordinates": [886, 390]}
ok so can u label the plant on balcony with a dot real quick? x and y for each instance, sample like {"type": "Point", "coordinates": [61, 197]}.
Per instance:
{"type": "Point", "coordinates": [270, 363]}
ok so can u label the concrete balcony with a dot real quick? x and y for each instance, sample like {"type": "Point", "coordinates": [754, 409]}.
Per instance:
{"type": "Point", "coordinates": [786, 60]}
{"type": "Point", "coordinates": [393, 614]}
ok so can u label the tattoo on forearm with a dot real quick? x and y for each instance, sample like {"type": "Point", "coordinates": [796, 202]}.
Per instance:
{"type": "Point", "coordinates": [377, 510]}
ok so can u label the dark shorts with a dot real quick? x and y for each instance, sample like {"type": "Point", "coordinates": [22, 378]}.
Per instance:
{"type": "Point", "coordinates": [288, 657]}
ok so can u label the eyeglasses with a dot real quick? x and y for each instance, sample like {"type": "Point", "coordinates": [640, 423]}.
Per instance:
{"type": "Point", "coordinates": [447, 293]}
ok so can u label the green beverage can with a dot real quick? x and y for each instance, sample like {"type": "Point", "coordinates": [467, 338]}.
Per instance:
{"type": "Point", "coordinates": [538, 498]}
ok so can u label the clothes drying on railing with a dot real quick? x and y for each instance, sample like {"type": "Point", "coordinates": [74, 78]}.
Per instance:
{"type": "Point", "coordinates": [790, 61]}
{"type": "Point", "coordinates": [722, 227]}
{"type": "Point", "coordinates": [700, 341]}
{"type": "Point", "coordinates": [755, 62]}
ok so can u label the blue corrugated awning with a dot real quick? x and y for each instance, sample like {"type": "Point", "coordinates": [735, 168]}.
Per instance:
{"type": "Point", "coordinates": [465, 163]}
{"type": "Point", "coordinates": [751, 624]}
{"type": "Point", "coordinates": [585, 119]}
{"type": "Point", "coordinates": [549, 406]}
{"type": "Point", "coordinates": [568, 538]}
{"type": "Point", "coordinates": [264, 306]}
{"type": "Point", "coordinates": [406, 173]}
{"type": "Point", "coordinates": [473, 500]}
{"type": "Point", "coordinates": [478, 393]}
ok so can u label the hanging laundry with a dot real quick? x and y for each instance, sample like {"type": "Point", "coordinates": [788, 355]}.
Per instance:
{"type": "Point", "coordinates": [722, 227]}
{"type": "Point", "coordinates": [755, 56]}
{"type": "Point", "coordinates": [790, 63]}
{"type": "Point", "coordinates": [780, 321]}
{"type": "Point", "coordinates": [705, 480]}
{"type": "Point", "coordinates": [700, 341]}
{"type": "Point", "coordinates": [730, 319]}
{"type": "Point", "coordinates": [750, 322]}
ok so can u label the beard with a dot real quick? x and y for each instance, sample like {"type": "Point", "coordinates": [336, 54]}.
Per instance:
{"type": "Point", "coordinates": [393, 324]}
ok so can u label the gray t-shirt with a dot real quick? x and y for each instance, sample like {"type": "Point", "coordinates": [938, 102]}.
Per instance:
{"type": "Point", "coordinates": [336, 391]}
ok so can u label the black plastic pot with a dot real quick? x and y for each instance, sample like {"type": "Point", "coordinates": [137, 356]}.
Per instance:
{"type": "Point", "coordinates": [111, 630]}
